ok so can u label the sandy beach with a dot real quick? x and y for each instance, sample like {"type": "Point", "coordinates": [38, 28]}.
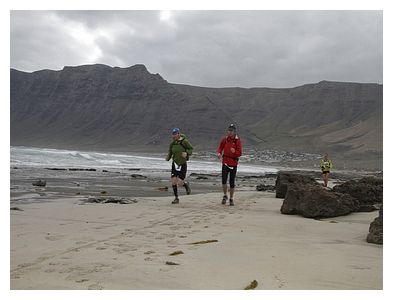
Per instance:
{"type": "Point", "coordinates": [66, 244]}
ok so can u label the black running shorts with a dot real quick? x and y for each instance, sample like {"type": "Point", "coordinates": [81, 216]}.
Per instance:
{"type": "Point", "coordinates": [179, 173]}
{"type": "Point", "coordinates": [232, 174]}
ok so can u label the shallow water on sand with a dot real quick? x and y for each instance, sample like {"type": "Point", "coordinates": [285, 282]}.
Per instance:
{"type": "Point", "coordinates": [57, 158]}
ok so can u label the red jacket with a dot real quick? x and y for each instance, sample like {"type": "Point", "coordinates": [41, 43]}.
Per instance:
{"type": "Point", "coordinates": [229, 158]}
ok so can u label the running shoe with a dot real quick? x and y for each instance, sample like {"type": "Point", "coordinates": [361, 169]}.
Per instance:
{"type": "Point", "coordinates": [187, 187]}
{"type": "Point", "coordinates": [224, 199]}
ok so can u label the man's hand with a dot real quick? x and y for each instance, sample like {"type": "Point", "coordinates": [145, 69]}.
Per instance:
{"type": "Point", "coordinates": [167, 158]}
{"type": "Point", "coordinates": [233, 150]}
{"type": "Point", "coordinates": [184, 154]}
{"type": "Point", "coordinates": [219, 155]}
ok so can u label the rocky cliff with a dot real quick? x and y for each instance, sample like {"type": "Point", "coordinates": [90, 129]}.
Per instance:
{"type": "Point", "coordinates": [100, 107]}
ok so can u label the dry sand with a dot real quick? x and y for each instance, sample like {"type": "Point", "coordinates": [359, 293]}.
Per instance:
{"type": "Point", "coordinates": [65, 245]}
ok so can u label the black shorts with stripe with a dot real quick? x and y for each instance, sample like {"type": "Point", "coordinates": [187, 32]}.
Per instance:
{"type": "Point", "coordinates": [179, 173]}
{"type": "Point", "coordinates": [231, 171]}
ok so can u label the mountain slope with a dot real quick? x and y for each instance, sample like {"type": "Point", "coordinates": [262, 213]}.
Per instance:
{"type": "Point", "coordinates": [99, 107]}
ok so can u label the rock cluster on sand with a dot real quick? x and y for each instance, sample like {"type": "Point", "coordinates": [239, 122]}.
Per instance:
{"type": "Point", "coordinates": [313, 201]}
{"type": "Point", "coordinates": [304, 196]}
{"type": "Point", "coordinates": [286, 178]}
{"type": "Point", "coordinates": [376, 229]}
{"type": "Point", "coordinates": [368, 191]}
{"type": "Point", "coordinates": [109, 200]}
{"type": "Point", "coordinates": [39, 182]}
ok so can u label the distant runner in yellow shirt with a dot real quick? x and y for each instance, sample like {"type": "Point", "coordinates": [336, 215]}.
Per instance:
{"type": "Point", "coordinates": [326, 166]}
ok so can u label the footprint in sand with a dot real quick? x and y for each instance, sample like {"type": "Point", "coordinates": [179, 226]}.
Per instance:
{"type": "Point", "coordinates": [50, 270]}
{"type": "Point", "coordinates": [172, 241]}
{"type": "Point", "coordinates": [121, 250]}
{"type": "Point", "coordinates": [359, 267]}
{"type": "Point", "coordinates": [81, 242]}
{"type": "Point", "coordinates": [280, 281]}
{"type": "Point", "coordinates": [53, 237]}
{"type": "Point", "coordinates": [164, 270]}
{"type": "Point", "coordinates": [25, 265]}
{"type": "Point", "coordinates": [95, 286]}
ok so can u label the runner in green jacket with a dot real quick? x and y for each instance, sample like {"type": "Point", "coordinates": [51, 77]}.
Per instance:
{"type": "Point", "coordinates": [179, 150]}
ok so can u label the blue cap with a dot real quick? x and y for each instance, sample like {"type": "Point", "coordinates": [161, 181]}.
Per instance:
{"type": "Point", "coordinates": [175, 130]}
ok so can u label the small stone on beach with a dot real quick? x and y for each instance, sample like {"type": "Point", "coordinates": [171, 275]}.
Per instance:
{"type": "Point", "coordinates": [176, 253]}
{"type": "Point", "coordinates": [203, 242]}
{"type": "Point", "coordinates": [171, 263]}
{"type": "Point", "coordinates": [252, 285]}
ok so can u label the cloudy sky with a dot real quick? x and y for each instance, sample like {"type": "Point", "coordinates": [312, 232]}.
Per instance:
{"type": "Point", "coordinates": [207, 48]}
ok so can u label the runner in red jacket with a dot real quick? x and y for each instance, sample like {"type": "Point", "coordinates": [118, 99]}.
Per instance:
{"type": "Point", "coordinates": [229, 151]}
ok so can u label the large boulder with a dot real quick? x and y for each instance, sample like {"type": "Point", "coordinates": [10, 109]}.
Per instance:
{"type": "Point", "coordinates": [285, 178]}
{"type": "Point", "coordinates": [368, 191]}
{"type": "Point", "coordinates": [315, 201]}
{"type": "Point", "coordinates": [376, 229]}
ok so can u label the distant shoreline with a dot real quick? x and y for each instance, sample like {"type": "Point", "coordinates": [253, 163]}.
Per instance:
{"type": "Point", "coordinates": [340, 164]}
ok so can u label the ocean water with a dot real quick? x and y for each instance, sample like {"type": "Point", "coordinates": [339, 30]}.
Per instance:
{"type": "Point", "coordinates": [57, 158]}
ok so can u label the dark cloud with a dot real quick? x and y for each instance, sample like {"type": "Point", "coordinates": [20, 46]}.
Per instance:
{"type": "Point", "coordinates": [207, 48]}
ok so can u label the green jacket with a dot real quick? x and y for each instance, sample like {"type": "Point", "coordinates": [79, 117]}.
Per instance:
{"type": "Point", "coordinates": [177, 147]}
{"type": "Point", "coordinates": [326, 165]}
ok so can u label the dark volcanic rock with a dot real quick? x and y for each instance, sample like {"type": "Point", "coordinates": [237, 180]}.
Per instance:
{"type": "Point", "coordinates": [368, 191]}
{"type": "Point", "coordinates": [312, 201]}
{"type": "Point", "coordinates": [265, 187]}
{"type": "Point", "coordinates": [39, 182]}
{"type": "Point", "coordinates": [82, 169]}
{"type": "Point", "coordinates": [285, 178]}
{"type": "Point", "coordinates": [203, 175]}
{"type": "Point", "coordinates": [109, 200]}
{"type": "Point", "coordinates": [376, 229]}
{"type": "Point", "coordinates": [138, 176]}
{"type": "Point", "coordinates": [16, 208]}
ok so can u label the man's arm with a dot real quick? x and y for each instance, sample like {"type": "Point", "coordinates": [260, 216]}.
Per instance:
{"type": "Point", "coordinates": [221, 147]}
{"type": "Point", "coordinates": [238, 150]}
{"type": "Point", "coordinates": [188, 147]}
{"type": "Point", "coordinates": [169, 155]}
